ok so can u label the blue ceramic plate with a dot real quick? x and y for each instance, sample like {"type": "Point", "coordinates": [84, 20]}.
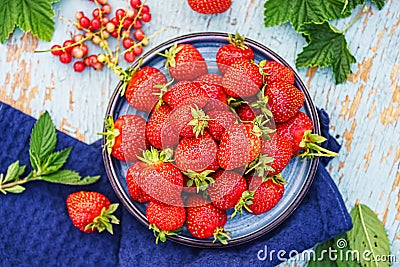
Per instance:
{"type": "Point", "coordinates": [299, 173]}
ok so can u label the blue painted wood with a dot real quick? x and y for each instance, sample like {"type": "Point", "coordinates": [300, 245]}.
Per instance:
{"type": "Point", "coordinates": [364, 111]}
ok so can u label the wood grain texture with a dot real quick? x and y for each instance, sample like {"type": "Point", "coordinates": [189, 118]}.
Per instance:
{"type": "Point", "coordinates": [364, 111]}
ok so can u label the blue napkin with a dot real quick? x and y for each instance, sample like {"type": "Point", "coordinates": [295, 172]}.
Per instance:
{"type": "Point", "coordinates": [35, 229]}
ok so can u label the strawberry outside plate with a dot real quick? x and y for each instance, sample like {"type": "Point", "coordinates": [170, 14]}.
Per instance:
{"type": "Point", "coordinates": [299, 174]}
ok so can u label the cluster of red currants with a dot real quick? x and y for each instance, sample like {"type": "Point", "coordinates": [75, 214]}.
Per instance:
{"type": "Point", "coordinates": [101, 27]}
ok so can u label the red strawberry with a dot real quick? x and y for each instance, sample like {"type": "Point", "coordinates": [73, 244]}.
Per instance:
{"type": "Point", "coordinates": [141, 92]}
{"type": "Point", "coordinates": [242, 79]}
{"type": "Point", "coordinates": [227, 189]}
{"type": "Point", "coordinates": [236, 48]}
{"type": "Point", "coordinates": [204, 220]}
{"type": "Point", "coordinates": [160, 179]}
{"type": "Point", "coordinates": [125, 139]}
{"type": "Point", "coordinates": [239, 146]}
{"type": "Point", "coordinates": [136, 193]}
{"type": "Point", "coordinates": [273, 70]}
{"type": "Point", "coordinates": [210, 6]}
{"type": "Point", "coordinates": [165, 220]}
{"type": "Point", "coordinates": [157, 130]}
{"type": "Point", "coordinates": [90, 211]}
{"type": "Point", "coordinates": [185, 93]}
{"type": "Point", "coordinates": [196, 154]}
{"type": "Point", "coordinates": [210, 78]}
{"type": "Point", "coordinates": [298, 131]}
{"type": "Point", "coordinates": [185, 62]}
{"type": "Point", "coordinates": [216, 96]}
{"type": "Point", "coordinates": [246, 112]}
{"type": "Point", "coordinates": [266, 193]}
{"type": "Point", "coordinates": [284, 100]}
{"type": "Point", "coordinates": [219, 121]}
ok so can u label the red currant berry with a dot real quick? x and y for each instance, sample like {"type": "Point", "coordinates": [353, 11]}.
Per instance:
{"type": "Point", "coordinates": [85, 49]}
{"type": "Point", "coordinates": [115, 21]}
{"type": "Point", "coordinates": [137, 50]}
{"type": "Point", "coordinates": [79, 15]}
{"type": "Point", "coordinates": [104, 21]}
{"type": "Point", "coordinates": [55, 51]}
{"type": "Point", "coordinates": [146, 17]}
{"type": "Point", "coordinates": [95, 24]}
{"type": "Point", "coordinates": [79, 66]}
{"type": "Point", "coordinates": [139, 34]}
{"type": "Point", "coordinates": [129, 56]}
{"type": "Point", "coordinates": [102, 2]}
{"type": "Point", "coordinates": [97, 66]}
{"type": "Point", "coordinates": [114, 34]}
{"type": "Point", "coordinates": [77, 52]}
{"type": "Point", "coordinates": [84, 22]}
{"type": "Point", "coordinates": [120, 13]}
{"type": "Point", "coordinates": [136, 3]}
{"type": "Point", "coordinates": [138, 24]}
{"type": "Point", "coordinates": [77, 37]}
{"type": "Point", "coordinates": [127, 23]}
{"type": "Point", "coordinates": [145, 9]}
{"type": "Point", "coordinates": [92, 59]}
{"type": "Point", "coordinates": [96, 13]}
{"type": "Point", "coordinates": [68, 45]}
{"type": "Point", "coordinates": [127, 42]}
{"type": "Point", "coordinates": [87, 61]}
{"type": "Point", "coordinates": [65, 57]}
{"type": "Point", "coordinates": [110, 27]}
{"type": "Point", "coordinates": [106, 9]}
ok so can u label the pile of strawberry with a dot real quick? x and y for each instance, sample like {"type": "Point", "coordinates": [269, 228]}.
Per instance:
{"type": "Point", "coordinates": [213, 143]}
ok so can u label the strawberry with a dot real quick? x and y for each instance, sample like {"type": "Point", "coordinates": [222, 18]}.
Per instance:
{"type": "Point", "coordinates": [125, 138]}
{"type": "Point", "coordinates": [91, 211]}
{"type": "Point", "coordinates": [265, 193]}
{"type": "Point", "coordinates": [157, 130]}
{"type": "Point", "coordinates": [204, 220]}
{"type": "Point", "coordinates": [242, 79]}
{"type": "Point", "coordinates": [141, 92]}
{"type": "Point", "coordinates": [136, 193]}
{"type": "Point", "coordinates": [165, 220]}
{"type": "Point", "coordinates": [219, 121]}
{"type": "Point", "coordinates": [284, 100]}
{"type": "Point", "coordinates": [273, 70]}
{"type": "Point", "coordinates": [247, 113]}
{"type": "Point", "coordinates": [158, 178]}
{"type": "Point", "coordinates": [210, 78]}
{"type": "Point", "coordinates": [236, 48]}
{"type": "Point", "coordinates": [196, 154]}
{"type": "Point", "coordinates": [216, 96]}
{"type": "Point", "coordinates": [184, 62]}
{"type": "Point", "coordinates": [210, 6]}
{"type": "Point", "coordinates": [239, 146]}
{"type": "Point", "coordinates": [227, 189]}
{"type": "Point", "coordinates": [185, 93]}
{"type": "Point", "coordinates": [298, 130]}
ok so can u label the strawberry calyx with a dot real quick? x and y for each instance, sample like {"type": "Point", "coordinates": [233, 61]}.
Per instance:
{"type": "Point", "coordinates": [221, 235]}
{"type": "Point", "coordinates": [261, 165]}
{"type": "Point", "coordinates": [245, 200]}
{"type": "Point", "coordinates": [311, 149]}
{"type": "Point", "coordinates": [126, 75]}
{"type": "Point", "coordinates": [105, 220]}
{"type": "Point", "coordinates": [110, 134]}
{"type": "Point", "coordinates": [154, 156]}
{"type": "Point", "coordinates": [161, 235]}
{"type": "Point", "coordinates": [201, 180]}
{"type": "Point", "coordinates": [163, 89]}
{"type": "Point", "coordinates": [237, 40]}
{"type": "Point", "coordinates": [199, 121]}
{"type": "Point", "coordinates": [262, 103]}
{"type": "Point", "coordinates": [170, 55]}
{"type": "Point", "coordinates": [277, 179]}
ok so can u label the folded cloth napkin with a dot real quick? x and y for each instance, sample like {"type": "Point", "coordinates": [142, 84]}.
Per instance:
{"type": "Point", "coordinates": [35, 229]}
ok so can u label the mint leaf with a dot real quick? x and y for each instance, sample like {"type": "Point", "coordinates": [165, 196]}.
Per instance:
{"type": "Point", "coordinates": [327, 47]}
{"type": "Point", "coordinates": [14, 171]}
{"type": "Point", "coordinates": [34, 16]}
{"type": "Point", "coordinates": [368, 237]}
{"type": "Point", "coordinates": [16, 189]}
{"type": "Point", "coordinates": [69, 177]}
{"type": "Point", "coordinates": [43, 141]}
{"type": "Point", "coordinates": [346, 257]}
{"type": "Point", "coordinates": [322, 255]}
{"type": "Point", "coordinates": [299, 12]}
{"type": "Point", "coordinates": [55, 161]}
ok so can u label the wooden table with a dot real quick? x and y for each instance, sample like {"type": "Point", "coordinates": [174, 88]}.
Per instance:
{"type": "Point", "coordinates": [364, 111]}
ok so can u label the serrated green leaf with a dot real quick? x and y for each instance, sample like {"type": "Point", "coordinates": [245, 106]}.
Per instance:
{"type": "Point", "coordinates": [299, 12]}
{"type": "Point", "coordinates": [9, 16]}
{"type": "Point", "coordinates": [345, 256]}
{"type": "Point", "coordinates": [16, 189]}
{"type": "Point", "coordinates": [43, 140]}
{"type": "Point", "coordinates": [55, 161]}
{"type": "Point", "coordinates": [368, 237]}
{"type": "Point", "coordinates": [69, 177]}
{"type": "Point", "coordinates": [14, 171]}
{"type": "Point", "coordinates": [327, 47]}
{"type": "Point", "coordinates": [321, 258]}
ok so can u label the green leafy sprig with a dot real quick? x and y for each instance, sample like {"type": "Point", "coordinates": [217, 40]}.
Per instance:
{"type": "Point", "coordinates": [45, 161]}
{"type": "Point", "coordinates": [326, 45]}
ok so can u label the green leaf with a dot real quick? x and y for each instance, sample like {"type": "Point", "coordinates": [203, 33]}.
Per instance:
{"type": "Point", "coordinates": [43, 140]}
{"type": "Point", "coordinates": [69, 177]}
{"type": "Point", "coordinates": [345, 256]}
{"type": "Point", "coordinates": [299, 12]}
{"type": "Point", "coordinates": [14, 171]}
{"type": "Point", "coordinates": [379, 3]}
{"type": "Point", "coordinates": [55, 161]}
{"type": "Point", "coordinates": [327, 47]}
{"type": "Point", "coordinates": [16, 189]}
{"type": "Point", "coordinates": [9, 16]}
{"type": "Point", "coordinates": [322, 258]}
{"type": "Point", "coordinates": [368, 237]}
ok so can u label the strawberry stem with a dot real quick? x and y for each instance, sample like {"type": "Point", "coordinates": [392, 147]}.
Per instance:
{"type": "Point", "coordinates": [201, 180]}
{"type": "Point", "coordinates": [244, 202]}
{"type": "Point", "coordinates": [221, 235]}
{"type": "Point", "coordinates": [161, 235]}
{"type": "Point", "coordinates": [105, 220]}
{"type": "Point", "coordinates": [110, 134]}
{"type": "Point", "coordinates": [311, 149]}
